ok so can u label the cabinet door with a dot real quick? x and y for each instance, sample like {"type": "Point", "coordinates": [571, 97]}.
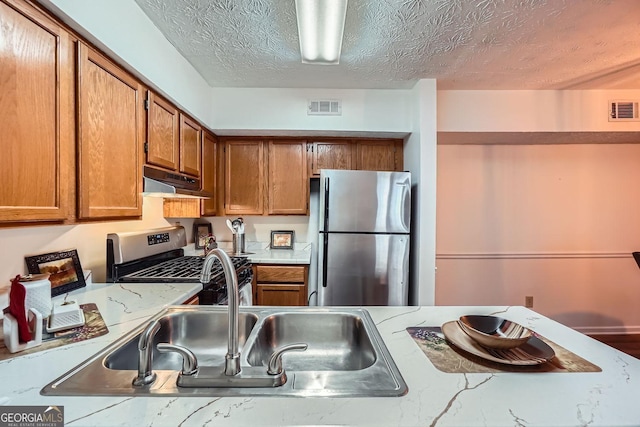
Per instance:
{"type": "Point", "coordinates": [288, 183]}
{"type": "Point", "coordinates": [163, 134]}
{"type": "Point", "coordinates": [209, 173]}
{"type": "Point", "coordinates": [244, 178]}
{"type": "Point", "coordinates": [109, 139]}
{"type": "Point", "coordinates": [281, 295]}
{"type": "Point", "coordinates": [331, 155]}
{"type": "Point", "coordinates": [37, 120]}
{"type": "Point", "coordinates": [376, 155]}
{"type": "Point", "coordinates": [190, 146]}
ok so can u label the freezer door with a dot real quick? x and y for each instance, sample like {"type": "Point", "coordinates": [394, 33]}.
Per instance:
{"type": "Point", "coordinates": [365, 201]}
{"type": "Point", "coordinates": [363, 269]}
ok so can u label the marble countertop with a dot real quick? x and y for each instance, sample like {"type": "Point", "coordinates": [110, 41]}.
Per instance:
{"type": "Point", "coordinates": [434, 398]}
{"type": "Point", "coordinates": [260, 253]}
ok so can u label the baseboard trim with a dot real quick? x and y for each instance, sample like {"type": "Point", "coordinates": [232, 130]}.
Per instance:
{"type": "Point", "coordinates": [608, 330]}
{"type": "Point", "coordinates": [535, 255]}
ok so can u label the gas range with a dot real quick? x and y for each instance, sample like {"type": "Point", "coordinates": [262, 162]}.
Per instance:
{"type": "Point", "coordinates": [157, 256]}
{"type": "Point", "coordinates": [184, 269]}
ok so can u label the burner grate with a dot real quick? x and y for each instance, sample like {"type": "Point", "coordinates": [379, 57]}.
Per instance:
{"type": "Point", "coordinates": [183, 268]}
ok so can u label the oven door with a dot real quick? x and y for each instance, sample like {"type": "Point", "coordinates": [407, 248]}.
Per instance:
{"type": "Point", "coordinates": [218, 295]}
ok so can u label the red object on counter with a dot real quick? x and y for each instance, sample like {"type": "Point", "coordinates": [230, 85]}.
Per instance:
{"type": "Point", "coordinates": [16, 308]}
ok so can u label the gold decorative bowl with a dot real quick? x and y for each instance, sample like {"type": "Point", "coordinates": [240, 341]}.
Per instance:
{"type": "Point", "coordinates": [494, 332]}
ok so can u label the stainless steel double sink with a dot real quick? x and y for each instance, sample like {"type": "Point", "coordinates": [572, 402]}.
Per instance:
{"type": "Point", "coordinates": [345, 356]}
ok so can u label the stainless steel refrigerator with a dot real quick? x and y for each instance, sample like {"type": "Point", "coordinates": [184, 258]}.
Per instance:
{"type": "Point", "coordinates": [363, 242]}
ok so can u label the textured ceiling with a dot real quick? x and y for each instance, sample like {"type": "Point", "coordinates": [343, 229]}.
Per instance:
{"type": "Point", "coordinates": [464, 44]}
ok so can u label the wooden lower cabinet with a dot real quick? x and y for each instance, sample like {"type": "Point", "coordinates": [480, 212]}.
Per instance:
{"type": "Point", "coordinates": [280, 285]}
{"type": "Point", "coordinates": [194, 300]}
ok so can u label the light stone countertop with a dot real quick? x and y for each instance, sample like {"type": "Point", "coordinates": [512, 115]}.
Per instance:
{"type": "Point", "coordinates": [260, 253]}
{"type": "Point", "coordinates": [607, 398]}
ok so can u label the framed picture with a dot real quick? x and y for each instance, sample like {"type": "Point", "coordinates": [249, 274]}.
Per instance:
{"type": "Point", "coordinates": [64, 270]}
{"type": "Point", "coordinates": [281, 239]}
{"type": "Point", "coordinates": [200, 233]}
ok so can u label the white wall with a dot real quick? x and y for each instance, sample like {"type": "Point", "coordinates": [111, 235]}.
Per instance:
{"type": "Point", "coordinates": [530, 110]}
{"type": "Point", "coordinates": [89, 239]}
{"type": "Point", "coordinates": [286, 109]}
{"type": "Point", "coordinates": [556, 222]}
{"type": "Point", "coordinates": [420, 159]}
{"type": "Point", "coordinates": [257, 228]}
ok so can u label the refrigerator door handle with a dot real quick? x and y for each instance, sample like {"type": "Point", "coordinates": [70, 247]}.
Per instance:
{"type": "Point", "coordinates": [326, 204]}
{"type": "Point", "coordinates": [406, 203]}
{"type": "Point", "coordinates": [325, 258]}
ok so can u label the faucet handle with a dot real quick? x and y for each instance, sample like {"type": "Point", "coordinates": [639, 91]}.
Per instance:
{"type": "Point", "coordinates": [189, 360]}
{"type": "Point", "coordinates": [275, 361]}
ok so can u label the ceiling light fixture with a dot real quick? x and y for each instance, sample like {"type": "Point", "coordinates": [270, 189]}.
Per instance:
{"type": "Point", "coordinates": [320, 28]}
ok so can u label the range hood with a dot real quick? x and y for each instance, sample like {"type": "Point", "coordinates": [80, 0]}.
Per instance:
{"type": "Point", "coordinates": [159, 183]}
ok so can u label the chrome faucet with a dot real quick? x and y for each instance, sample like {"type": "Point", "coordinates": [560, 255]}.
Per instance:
{"type": "Point", "coordinates": [145, 351]}
{"type": "Point", "coordinates": [232, 358]}
{"type": "Point", "coordinates": [193, 375]}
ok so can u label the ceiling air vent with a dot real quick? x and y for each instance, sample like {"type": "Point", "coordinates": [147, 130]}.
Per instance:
{"type": "Point", "coordinates": [324, 107]}
{"type": "Point", "coordinates": [623, 111]}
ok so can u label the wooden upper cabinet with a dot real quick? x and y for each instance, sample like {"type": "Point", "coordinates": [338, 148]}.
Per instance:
{"type": "Point", "coordinates": [163, 134]}
{"type": "Point", "coordinates": [377, 155]}
{"type": "Point", "coordinates": [174, 141]}
{"type": "Point", "coordinates": [110, 134]}
{"type": "Point", "coordinates": [209, 207]}
{"type": "Point", "coordinates": [331, 155]}
{"type": "Point", "coordinates": [37, 119]}
{"type": "Point", "coordinates": [288, 183]}
{"type": "Point", "coordinates": [190, 146]}
{"type": "Point", "coordinates": [244, 177]}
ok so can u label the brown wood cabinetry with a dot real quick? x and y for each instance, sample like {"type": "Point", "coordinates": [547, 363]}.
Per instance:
{"type": "Point", "coordinates": [379, 155]}
{"type": "Point", "coordinates": [196, 208]}
{"type": "Point", "coordinates": [180, 208]}
{"type": "Point", "coordinates": [109, 139]}
{"type": "Point", "coordinates": [190, 146]}
{"type": "Point", "coordinates": [355, 154]}
{"type": "Point", "coordinates": [174, 141]}
{"type": "Point", "coordinates": [288, 183]}
{"type": "Point", "coordinates": [266, 177]}
{"type": "Point", "coordinates": [194, 300]}
{"type": "Point", "coordinates": [209, 173]}
{"type": "Point", "coordinates": [163, 135]}
{"type": "Point", "coordinates": [37, 120]}
{"type": "Point", "coordinates": [280, 285]}
{"type": "Point", "coordinates": [244, 177]}
{"type": "Point", "coordinates": [331, 155]}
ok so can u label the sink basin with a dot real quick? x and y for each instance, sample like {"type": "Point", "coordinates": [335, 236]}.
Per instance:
{"type": "Point", "coordinates": [345, 356]}
{"type": "Point", "coordinates": [191, 329]}
{"type": "Point", "coordinates": [337, 341]}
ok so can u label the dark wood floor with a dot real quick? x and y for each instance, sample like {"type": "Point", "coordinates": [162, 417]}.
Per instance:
{"type": "Point", "coordinates": [627, 343]}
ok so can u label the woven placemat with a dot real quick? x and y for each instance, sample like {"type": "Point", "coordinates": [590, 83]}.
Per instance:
{"type": "Point", "coordinates": [93, 327]}
{"type": "Point", "coordinates": [448, 358]}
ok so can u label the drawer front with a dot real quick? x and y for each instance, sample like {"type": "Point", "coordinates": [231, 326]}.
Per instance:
{"type": "Point", "coordinates": [281, 274]}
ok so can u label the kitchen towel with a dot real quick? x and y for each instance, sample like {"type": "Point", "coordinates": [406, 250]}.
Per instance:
{"type": "Point", "coordinates": [17, 309]}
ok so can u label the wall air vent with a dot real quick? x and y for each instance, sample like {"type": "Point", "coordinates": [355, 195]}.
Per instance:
{"type": "Point", "coordinates": [623, 111]}
{"type": "Point", "coordinates": [324, 107]}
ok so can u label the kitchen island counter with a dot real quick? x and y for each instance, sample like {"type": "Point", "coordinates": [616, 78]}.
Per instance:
{"type": "Point", "coordinates": [435, 398]}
